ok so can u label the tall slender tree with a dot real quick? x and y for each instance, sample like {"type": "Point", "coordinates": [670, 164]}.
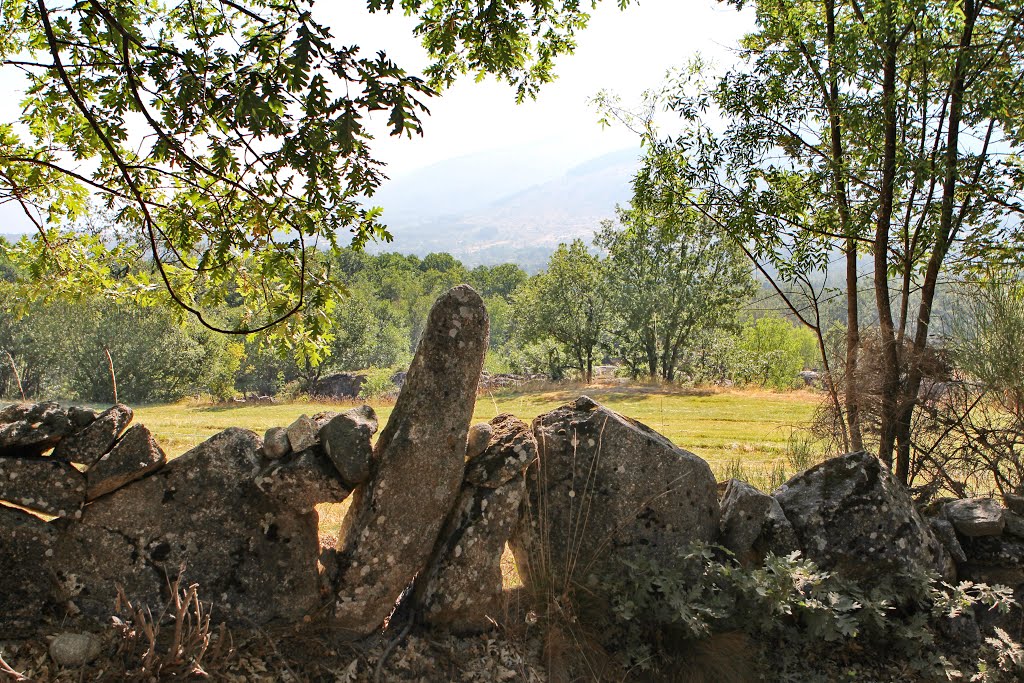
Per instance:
{"type": "Point", "coordinates": [882, 129]}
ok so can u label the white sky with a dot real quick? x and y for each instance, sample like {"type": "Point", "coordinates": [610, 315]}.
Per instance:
{"type": "Point", "coordinates": [625, 52]}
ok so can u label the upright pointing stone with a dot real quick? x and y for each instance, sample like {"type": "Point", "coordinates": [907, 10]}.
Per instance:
{"type": "Point", "coordinates": [417, 470]}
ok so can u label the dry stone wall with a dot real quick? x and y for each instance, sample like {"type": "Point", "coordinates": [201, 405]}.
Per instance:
{"type": "Point", "coordinates": [89, 503]}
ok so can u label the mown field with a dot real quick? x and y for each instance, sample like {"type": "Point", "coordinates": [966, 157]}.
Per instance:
{"type": "Point", "coordinates": [730, 428]}
{"type": "Point", "coordinates": [745, 433]}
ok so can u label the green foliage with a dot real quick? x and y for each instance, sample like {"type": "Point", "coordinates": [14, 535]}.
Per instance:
{"type": "Point", "coordinates": [568, 303]}
{"type": "Point", "coordinates": [987, 335]}
{"type": "Point", "coordinates": [771, 351]}
{"type": "Point", "coordinates": [378, 383]}
{"type": "Point", "coordinates": [670, 279]}
{"type": "Point", "coordinates": [881, 129]}
{"type": "Point", "coordinates": [60, 350]}
{"type": "Point", "coordinates": [786, 600]}
{"type": "Point", "coordinates": [366, 331]}
{"type": "Point", "coordinates": [228, 141]}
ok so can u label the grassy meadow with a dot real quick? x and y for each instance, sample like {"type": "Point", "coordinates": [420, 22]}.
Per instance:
{"type": "Point", "coordinates": [730, 428]}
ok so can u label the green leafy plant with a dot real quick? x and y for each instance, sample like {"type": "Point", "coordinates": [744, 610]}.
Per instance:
{"type": "Point", "coordinates": [378, 383]}
{"type": "Point", "coordinates": [657, 610]}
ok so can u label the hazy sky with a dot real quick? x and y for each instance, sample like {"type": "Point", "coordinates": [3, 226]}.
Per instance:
{"type": "Point", "coordinates": [626, 52]}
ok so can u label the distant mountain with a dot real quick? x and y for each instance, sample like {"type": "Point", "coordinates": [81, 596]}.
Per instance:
{"type": "Point", "coordinates": [485, 210]}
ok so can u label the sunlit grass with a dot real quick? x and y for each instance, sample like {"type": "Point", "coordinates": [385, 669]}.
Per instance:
{"type": "Point", "coordinates": [720, 425]}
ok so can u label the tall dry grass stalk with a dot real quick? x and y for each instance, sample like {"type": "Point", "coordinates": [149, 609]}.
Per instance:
{"type": "Point", "coordinates": [177, 642]}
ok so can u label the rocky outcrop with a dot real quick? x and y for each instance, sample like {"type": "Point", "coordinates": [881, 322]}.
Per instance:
{"type": "Point", "coordinates": [390, 530]}
{"type": "Point", "coordinates": [753, 524]}
{"type": "Point", "coordinates": [462, 587]}
{"type": "Point", "coordinates": [578, 495]}
{"type": "Point", "coordinates": [605, 489]}
{"type": "Point", "coordinates": [42, 484]}
{"type": "Point", "coordinates": [852, 516]}
{"type": "Point", "coordinates": [32, 429]}
{"type": "Point", "coordinates": [221, 514]}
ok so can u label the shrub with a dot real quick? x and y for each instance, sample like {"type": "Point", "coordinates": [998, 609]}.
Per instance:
{"type": "Point", "coordinates": [378, 383]}
{"type": "Point", "coordinates": [658, 616]}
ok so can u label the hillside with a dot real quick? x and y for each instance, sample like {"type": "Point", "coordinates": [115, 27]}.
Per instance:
{"type": "Point", "coordinates": [492, 208]}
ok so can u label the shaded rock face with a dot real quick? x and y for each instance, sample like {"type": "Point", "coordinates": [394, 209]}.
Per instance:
{"type": "Point", "coordinates": [90, 444]}
{"type": "Point", "coordinates": [340, 385]}
{"type": "Point", "coordinates": [221, 511]}
{"type": "Point", "coordinates": [136, 454]}
{"type": "Point", "coordinates": [754, 525]}
{"type": "Point", "coordinates": [27, 577]}
{"type": "Point", "coordinates": [852, 516]}
{"type": "Point", "coordinates": [42, 484]}
{"type": "Point", "coordinates": [605, 489]}
{"type": "Point", "coordinates": [346, 441]}
{"type": "Point", "coordinates": [991, 560]}
{"type": "Point", "coordinates": [390, 530]}
{"type": "Point", "coordinates": [32, 429]}
{"type": "Point", "coordinates": [462, 585]}
{"type": "Point", "coordinates": [946, 534]}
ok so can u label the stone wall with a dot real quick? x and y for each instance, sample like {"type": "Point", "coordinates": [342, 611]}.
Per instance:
{"type": "Point", "coordinates": [434, 502]}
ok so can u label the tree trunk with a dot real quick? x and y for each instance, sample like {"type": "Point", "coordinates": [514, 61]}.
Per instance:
{"type": "Point", "coordinates": [889, 360]}
{"type": "Point", "coordinates": [852, 394]}
{"type": "Point", "coordinates": [943, 239]}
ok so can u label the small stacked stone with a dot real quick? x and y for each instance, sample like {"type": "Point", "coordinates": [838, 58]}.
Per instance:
{"type": "Point", "coordinates": [54, 459]}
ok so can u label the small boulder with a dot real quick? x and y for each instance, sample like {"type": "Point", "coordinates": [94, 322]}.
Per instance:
{"type": "Point", "coordinates": [461, 588]}
{"type": "Point", "coordinates": [754, 525]}
{"type": "Point", "coordinates": [42, 484]}
{"type": "Point", "coordinates": [852, 516]}
{"type": "Point", "coordinates": [88, 445]}
{"type": "Point", "coordinates": [477, 440]}
{"type": "Point", "coordinates": [302, 433]}
{"type": "Point", "coordinates": [72, 650]}
{"type": "Point", "coordinates": [606, 489]}
{"type": "Point", "coordinates": [275, 443]}
{"type": "Point", "coordinates": [975, 516]}
{"type": "Point", "coordinates": [33, 428]}
{"type": "Point", "coordinates": [28, 582]}
{"type": "Point", "coordinates": [390, 530]}
{"type": "Point", "coordinates": [134, 456]}
{"type": "Point", "coordinates": [1014, 502]}
{"type": "Point", "coordinates": [347, 440]}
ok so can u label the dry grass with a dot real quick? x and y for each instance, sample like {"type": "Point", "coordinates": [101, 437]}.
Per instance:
{"type": "Point", "coordinates": [717, 424]}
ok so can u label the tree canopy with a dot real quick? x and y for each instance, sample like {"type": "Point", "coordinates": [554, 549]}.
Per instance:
{"type": "Point", "coordinates": [199, 149]}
